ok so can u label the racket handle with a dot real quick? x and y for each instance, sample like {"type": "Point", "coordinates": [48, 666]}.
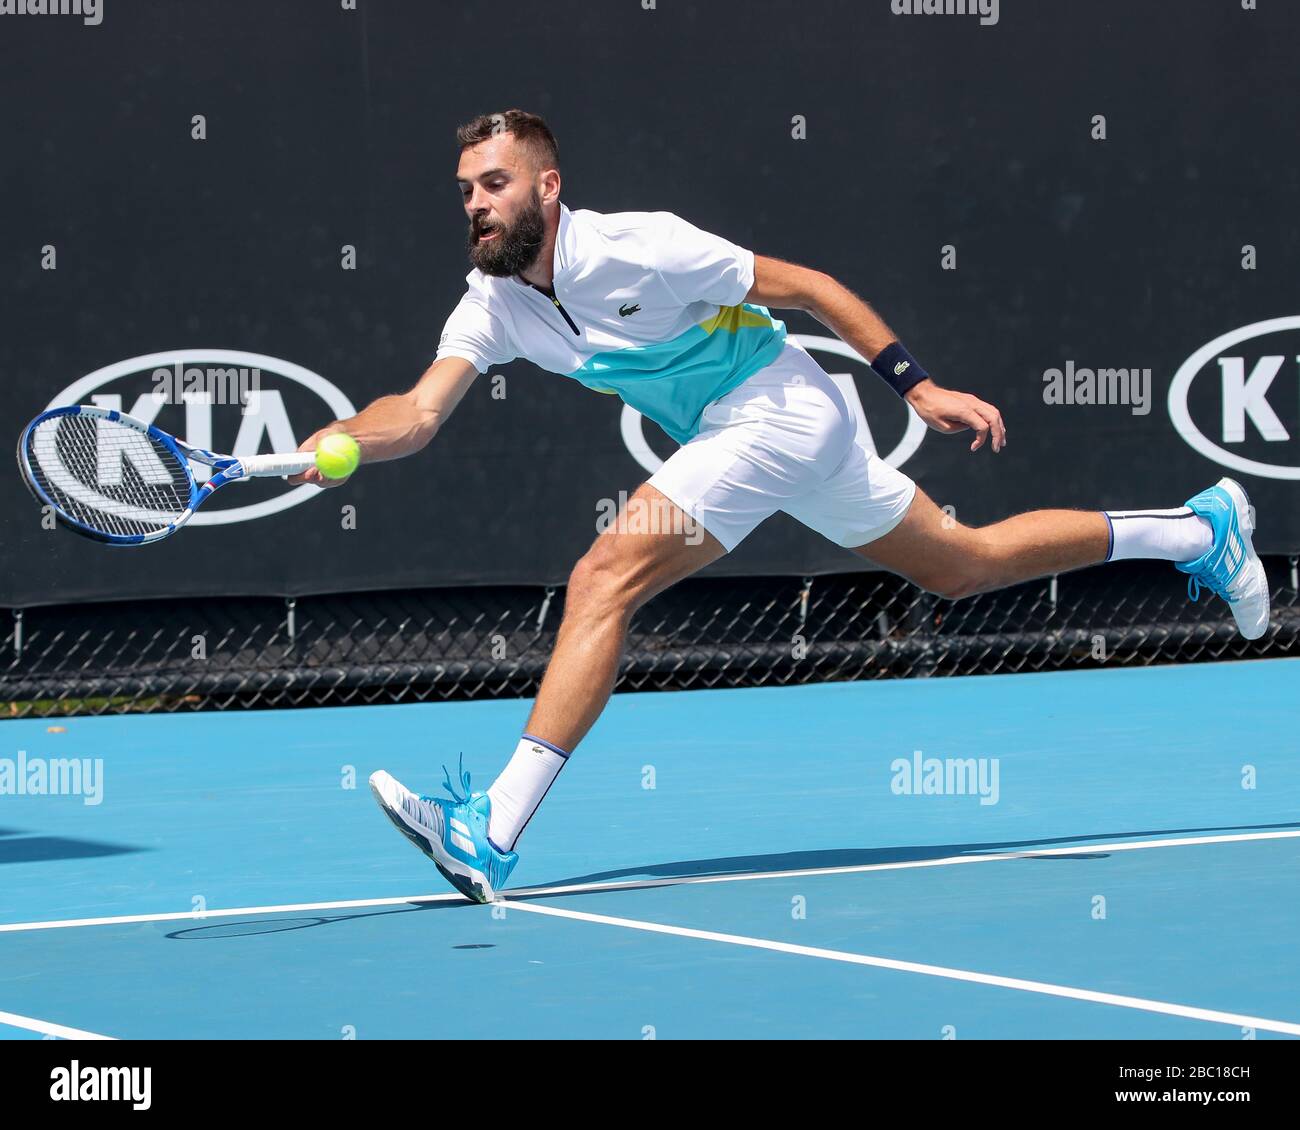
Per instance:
{"type": "Point", "coordinates": [265, 466]}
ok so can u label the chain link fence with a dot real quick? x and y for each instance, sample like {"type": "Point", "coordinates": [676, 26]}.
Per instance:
{"type": "Point", "coordinates": [427, 645]}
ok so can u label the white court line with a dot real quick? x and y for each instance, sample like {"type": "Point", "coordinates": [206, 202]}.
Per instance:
{"type": "Point", "coordinates": [45, 1028]}
{"type": "Point", "coordinates": [1186, 1011]}
{"type": "Point", "coordinates": [637, 884]}
{"type": "Point", "coordinates": [903, 865]}
{"type": "Point", "coordinates": [192, 916]}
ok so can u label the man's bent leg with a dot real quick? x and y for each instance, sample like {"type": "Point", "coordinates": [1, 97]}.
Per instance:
{"type": "Point", "coordinates": [622, 570]}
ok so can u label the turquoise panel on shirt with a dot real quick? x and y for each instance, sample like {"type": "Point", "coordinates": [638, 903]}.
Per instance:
{"type": "Point", "coordinates": [672, 382]}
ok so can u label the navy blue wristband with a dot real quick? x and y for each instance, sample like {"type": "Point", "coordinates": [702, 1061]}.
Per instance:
{"type": "Point", "coordinates": [898, 368]}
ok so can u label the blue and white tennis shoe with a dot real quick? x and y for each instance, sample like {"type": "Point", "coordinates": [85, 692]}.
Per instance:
{"type": "Point", "coordinates": [453, 833]}
{"type": "Point", "coordinates": [1230, 568]}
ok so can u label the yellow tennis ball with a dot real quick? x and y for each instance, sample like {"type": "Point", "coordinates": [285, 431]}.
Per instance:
{"type": "Point", "coordinates": [337, 455]}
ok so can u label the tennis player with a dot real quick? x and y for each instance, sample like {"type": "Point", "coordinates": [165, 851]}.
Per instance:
{"type": "Point", "coordinates": [676, 321]}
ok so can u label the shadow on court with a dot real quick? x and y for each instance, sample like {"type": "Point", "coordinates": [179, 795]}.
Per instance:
{"type": "Point", "coordinates": [18, 847]}
{"type": "Point", "coordinates": [219, 931]}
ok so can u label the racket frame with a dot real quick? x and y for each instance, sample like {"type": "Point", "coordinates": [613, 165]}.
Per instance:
{"type": "Point", "coordinates": [226, 469]}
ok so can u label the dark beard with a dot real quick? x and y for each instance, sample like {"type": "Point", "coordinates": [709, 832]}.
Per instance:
{"type": "Point", "coordinates": [515, 248]}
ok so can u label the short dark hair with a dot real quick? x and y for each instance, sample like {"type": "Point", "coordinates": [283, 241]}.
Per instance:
{"type": "Point", "coordinates": [529, 130]}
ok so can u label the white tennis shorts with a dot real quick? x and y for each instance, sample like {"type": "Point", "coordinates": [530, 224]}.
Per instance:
{"type": "Point", "coordinates": [784, 440]}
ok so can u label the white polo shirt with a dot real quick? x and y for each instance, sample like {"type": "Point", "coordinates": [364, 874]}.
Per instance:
{"type": "Point", "coordinates": [646, 305]}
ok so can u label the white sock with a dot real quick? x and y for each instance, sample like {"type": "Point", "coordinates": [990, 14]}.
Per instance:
{"type": "Point", "coordinates": [1167, 535]}
{"type": "Point", "coordinates": [518, 792]}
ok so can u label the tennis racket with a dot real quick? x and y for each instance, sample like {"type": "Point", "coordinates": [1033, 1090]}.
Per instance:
{"type": "Point", "coordinates": [118, 480]}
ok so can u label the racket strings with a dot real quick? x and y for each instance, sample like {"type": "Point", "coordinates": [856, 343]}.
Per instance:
{"type": "Point", "coordinates": [109, 476]}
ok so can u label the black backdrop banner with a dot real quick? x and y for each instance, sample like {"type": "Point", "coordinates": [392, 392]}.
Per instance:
{"type": "Point", "coordinates": [1056, 204]}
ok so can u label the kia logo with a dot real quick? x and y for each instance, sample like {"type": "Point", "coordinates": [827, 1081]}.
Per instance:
{"type": "Point", "coordinates": [147, 385]}
{"type": "Point", "coordinates": [1246, 379]}
{"type": "Point", "coordinates": [635, 442]}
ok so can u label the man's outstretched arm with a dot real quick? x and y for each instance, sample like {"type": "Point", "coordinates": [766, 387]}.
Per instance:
{"type": "Point", "coordinates": [788, 286]}
{"type": "Point", "coordinates": [402, 424]}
